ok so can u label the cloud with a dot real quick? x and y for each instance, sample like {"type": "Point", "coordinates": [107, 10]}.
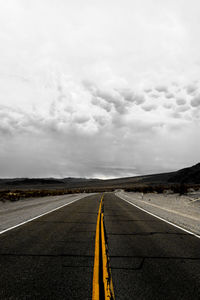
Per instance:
{"type": "Point", "coordinates": [195, 102]}
{"type": "Point", "coordinates": [155, 95]}
{"type": "Point", "coordinates": [149, 107]}
{"type": "Point", "coordinates": [196, 114]}
{"type": "Point", "coordinates": [182, 108]}
{"type": "Point", "coordinates": [81, 119]}
{"type": "Point", "coordinates": [106, 97]}
{"type": "Point", "coordinates": [80, 91]}
{"type": "Point", "coordinates": [68, 148]}
{"type": "Point", "coordinates": [180, 101]}
{"type": "Point", "coordinates": [191, 88]}
{"type": "Point", "coordinates": [147, 90]}
{"type": "Point", "coordinates": [120, 99]}
{"type": "Point", "coordinates": [161, 88]}
{"type": "Point", "coordinates": [102, 103]}
{"type": "Point", "coordinates": [133, 97]}
{"type": "Point", "coordinates": [112, 97]}
{"type": "Point", "coordinates": [169, 95]}
{"type": "Point", "coordinates": [168, 105]}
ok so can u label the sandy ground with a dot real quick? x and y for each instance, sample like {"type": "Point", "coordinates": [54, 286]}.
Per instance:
{"type": "Point", "coordinates": [13, 213]}
{"type": "Point", "coordinates": [181, 210]}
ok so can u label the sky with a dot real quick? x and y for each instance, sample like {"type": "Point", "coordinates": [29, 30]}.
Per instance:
{"type": "Point", "coordinates": [98, 88]}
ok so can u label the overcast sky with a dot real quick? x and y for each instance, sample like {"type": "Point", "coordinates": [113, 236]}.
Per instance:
{"type": "Point", "coordinates": [98, 88]}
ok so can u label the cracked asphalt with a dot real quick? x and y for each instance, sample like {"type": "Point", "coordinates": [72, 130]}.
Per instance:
{"type": "Point", "coordinates": [52, 257]}
{"type": "Point", "coordinates": [149, 258]}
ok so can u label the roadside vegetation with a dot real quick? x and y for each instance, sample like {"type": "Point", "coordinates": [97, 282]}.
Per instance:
{"type": "Point", "coordinates": [181, 189]}
{"type": "Point", "coordinates": [15, 195]}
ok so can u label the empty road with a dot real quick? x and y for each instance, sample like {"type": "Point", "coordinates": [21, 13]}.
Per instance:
{"type": "Point", "coordinates": [52, 257]}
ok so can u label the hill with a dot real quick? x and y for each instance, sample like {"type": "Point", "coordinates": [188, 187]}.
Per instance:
{"type": "Point", "coordinates": [187, 175]}
{"type": "Point", "coordinates": [190, 175]}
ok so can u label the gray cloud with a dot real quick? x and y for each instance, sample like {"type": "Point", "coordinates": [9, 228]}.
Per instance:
{"type": "Point", "coordinates": [45, 145]}
{"type": "Point", "coordinates": [81, 119]}
{"type": "Point", "coordinates": [180, 101]}
{"type": "Point", "coordinates": [109, 96]}
{"type": "Point", "coordinates": [191, 88]}
{"type": "Point", "coordinates": [101, 120]}
{"type": "Point", "coordinates": [168, 105]}
{"type": "Point", "coordinates": [169, 95]}
{"type": "Point", "coordinates": [120, 99]}
{"type": "Point", "coordinates": [196, 114]}
{"type": "Point", "coordinates": [148, 90]}
{"type": "Point", "coordinates": [161, 88]}
{"type": "Point", "coordinates": [130, 96]}
{"type": "Point", "coordinates": [182, 108]}
{"type": "Point", "coordinates": [195, 102]}
{"type": "Point", "coordinates": [155, 95]}
{"type": "Point", "coordinates": [102, 103]}
{"type": "Point", "coordinates": [88, 97]}
{"type": "Point", "coordinates": [86, 119]}
{"type": "Point", "coordinates": [149, 107]}
{"type": "Point", "coordinates": [176, 115]}
{"type": "Point", "coordinates": [11, 120]}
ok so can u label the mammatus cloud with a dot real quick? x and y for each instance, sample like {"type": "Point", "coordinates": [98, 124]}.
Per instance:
{"type": "Point", "coordinates": [169, 95]}
{"type": "Point", "coordinates": [133, 97]}
{"type": "Point", "coordinates": [83, 95]}
{"type": "Point", "coordinates": [195, 102]}
{"type": "Point", "coordinates": [149, 107]}
{"type": "Point", "coordinates": [162, 88]}
{"type": "Point", "coordinates": [191, 88]}
{"type": "Point", "coordinates": [180, 101]}
{"type": "Point", "coordinates": [84, 127]}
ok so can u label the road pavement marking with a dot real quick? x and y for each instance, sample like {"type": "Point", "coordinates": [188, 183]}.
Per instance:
{"type": "Point", "coordinates": [96, 288]}
{"type": "Point", "coordinates": [41, 215]}
{"type": "Point", "coordinates": [170, 210]}
{"type": "Point", "coordinates": [179, 227]}
{"type": "Point", "coordinates": [107, 278]}
{"type": "Point", "coordinates": [102, 279]}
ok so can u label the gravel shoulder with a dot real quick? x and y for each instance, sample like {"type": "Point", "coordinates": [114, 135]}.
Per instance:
{"type": "Point", "coordinates": [14, 213]}
{"type": "Point", "coordinates": [183, 211]}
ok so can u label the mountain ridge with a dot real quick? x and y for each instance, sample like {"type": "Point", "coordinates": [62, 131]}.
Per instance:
{"type": "Point", "coordinates": [189, 175]}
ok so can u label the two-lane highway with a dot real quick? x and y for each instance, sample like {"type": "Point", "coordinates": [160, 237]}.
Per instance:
{"type": "Point", "coordinates": [52, 257]}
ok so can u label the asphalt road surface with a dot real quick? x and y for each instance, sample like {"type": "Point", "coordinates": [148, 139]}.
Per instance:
{"type": "Point", "coordinates": [52, 257]}
{"type": "Point", "coordinates": [150, 259]}
{"type": "Point", "coordinates": [17, 212]}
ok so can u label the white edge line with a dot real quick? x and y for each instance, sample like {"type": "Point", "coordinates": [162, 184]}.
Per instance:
{"type": "Point", "coordinates": [48, 212]}
{"type": "Point", "coordinates": [179, 227]}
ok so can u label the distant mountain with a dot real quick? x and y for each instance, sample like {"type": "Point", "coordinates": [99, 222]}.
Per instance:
{"type": "Point", "coordinates": [189, 175]}
{"type": "Point", "coordinates": [47, 183]}
{"type": "Point", "coordinates": [27, 181]}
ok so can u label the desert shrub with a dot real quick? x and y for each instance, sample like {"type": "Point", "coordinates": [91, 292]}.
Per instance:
{"type": "Point", "coordinates": [180, 188]}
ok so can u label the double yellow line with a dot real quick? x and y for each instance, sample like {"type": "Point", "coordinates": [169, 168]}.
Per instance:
{"type": "Point", "coordinates": [102, 280]}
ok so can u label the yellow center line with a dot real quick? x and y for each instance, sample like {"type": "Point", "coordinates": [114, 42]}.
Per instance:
{"type": "Point", "coordinates": [102, 280]}
{"type": "Point", "coordinates": [96, 289]}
